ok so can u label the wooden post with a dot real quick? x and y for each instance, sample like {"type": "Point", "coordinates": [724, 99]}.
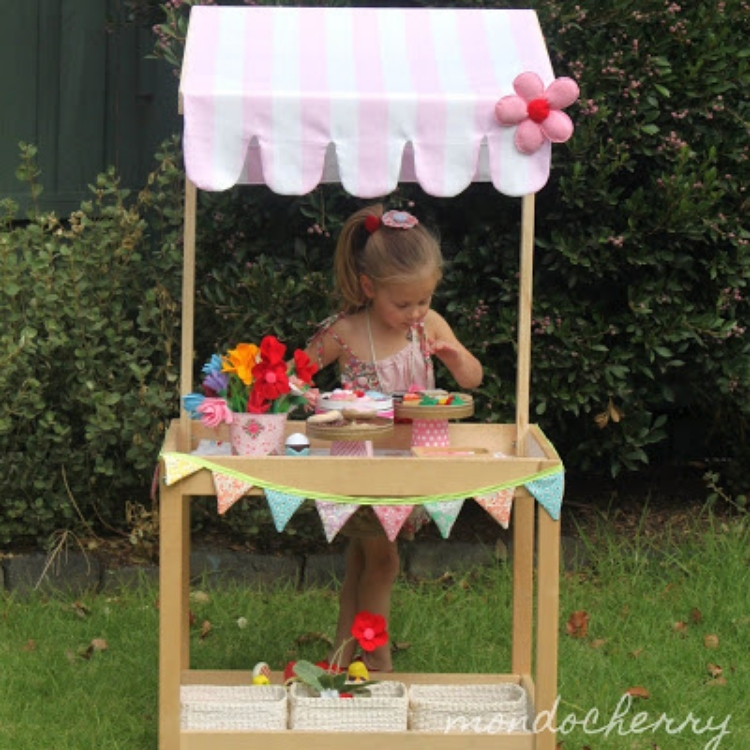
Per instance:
{"type": "Point", "coordinates": [188, 310]}
{"type": "Point", "coordinates": [174, 624]}
{"type": "Point", "coordinates": [523, 511]}
{"type": "Point", "coordinates": [525, 293]}
{"type": "Point", "coordinates": [548, 614]}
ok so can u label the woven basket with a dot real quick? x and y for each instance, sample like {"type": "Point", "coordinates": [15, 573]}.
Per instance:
{"type": "Point", "coordinates": [486, 709]}
{"type": "Point", "coordinates": [233, 707]}
{"type": "Point", "coordinates": [382, 711]}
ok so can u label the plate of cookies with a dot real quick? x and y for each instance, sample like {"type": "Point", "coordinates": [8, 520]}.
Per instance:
{"type": "Point", "coordinates": [347, 425]}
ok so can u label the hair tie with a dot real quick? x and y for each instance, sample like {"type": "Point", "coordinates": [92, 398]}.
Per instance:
{"type": "Point", "coordinates": [372, 223]}
{"type": "Point", "coordinates": [399, 220]}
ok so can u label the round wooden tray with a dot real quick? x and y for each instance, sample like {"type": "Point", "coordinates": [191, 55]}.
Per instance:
{"type": "Point", "coordinates": [353, 432]}
{"type": "Point", "coordinates": [459, 411]}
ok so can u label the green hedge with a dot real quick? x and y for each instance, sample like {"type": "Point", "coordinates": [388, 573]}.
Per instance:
{"type": "Point", "coordinates": [640, 349]}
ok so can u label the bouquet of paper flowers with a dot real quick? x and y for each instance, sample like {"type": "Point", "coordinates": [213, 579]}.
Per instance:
{"type": "Point", "coordinates": [253, 379]}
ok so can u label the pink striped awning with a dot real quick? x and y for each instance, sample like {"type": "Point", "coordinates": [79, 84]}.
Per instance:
{"type": "Point", "coordinates": [369, 97]}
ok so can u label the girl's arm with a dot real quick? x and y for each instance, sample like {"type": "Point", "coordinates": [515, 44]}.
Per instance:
{"type": "Point", "coordinates": [323, 348]}
{"type": "Point", "coordinates": [443, 344]}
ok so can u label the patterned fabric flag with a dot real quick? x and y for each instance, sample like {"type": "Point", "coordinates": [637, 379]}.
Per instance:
{"type": "Point", "coordinates": [498, 505]}
{"type": "Point", "coordinates": [444, 514]}
{"type": "Point", "coordinates": [334, 516]}
{"type": "Point", "coordinates": [548, 491]}
{"type": "Point", "coordinates": [228, 490]}
{"type": "Point", "coordinates": [283, 506]}
{"type": "Point", "coordinates": [392, 518]}
{"type": "Point", "coordinates": [178, 466]}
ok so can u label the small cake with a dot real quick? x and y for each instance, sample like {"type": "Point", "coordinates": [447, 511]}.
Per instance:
{"type": "Point", "coordinates": [360, 402]}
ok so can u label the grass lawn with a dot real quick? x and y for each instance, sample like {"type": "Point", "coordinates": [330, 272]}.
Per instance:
{"type": "Point", "coordinates": [668, 620]}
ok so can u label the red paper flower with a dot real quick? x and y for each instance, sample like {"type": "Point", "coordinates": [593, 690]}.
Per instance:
{"type": "Point", "coordinates": [304, 367]}
{"type": "Point", "coordinates": [271, 380]}
{"type": "Point", "coordinates": [369, 630]}
{"type": "Point", "coordinates": [257, 403]}
{"type": "Point", "coordinates": [272, 350]}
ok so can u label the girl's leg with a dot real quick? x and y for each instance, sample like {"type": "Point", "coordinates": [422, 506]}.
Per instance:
{"type": "Point", "coordinates": [380, 570]}
{"type": "Point", "coordinates": [348, 599]}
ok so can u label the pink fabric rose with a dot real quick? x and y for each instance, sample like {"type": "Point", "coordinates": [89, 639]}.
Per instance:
{"type": "Point", "coordinates": [214, 411]}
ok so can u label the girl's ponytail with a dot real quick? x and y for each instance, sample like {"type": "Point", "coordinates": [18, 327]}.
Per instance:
{"type": "Point", "coordinates": [346, 264]}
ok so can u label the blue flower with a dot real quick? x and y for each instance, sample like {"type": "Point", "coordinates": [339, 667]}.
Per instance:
{"type": "Point", "coordinates": [213, 365]}
{"type": "Point", "coordinates": [191, 402]}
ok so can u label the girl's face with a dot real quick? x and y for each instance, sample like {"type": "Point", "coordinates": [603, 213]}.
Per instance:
{"type": "Point", "coordinates": [401, 305]}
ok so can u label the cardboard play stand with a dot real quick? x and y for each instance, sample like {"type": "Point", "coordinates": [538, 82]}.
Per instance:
{"type": "Point", "coordinates": [369, 97]}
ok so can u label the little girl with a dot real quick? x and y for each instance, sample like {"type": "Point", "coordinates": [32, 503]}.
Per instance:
{"type": "Point", "coordinates": [386, 267]}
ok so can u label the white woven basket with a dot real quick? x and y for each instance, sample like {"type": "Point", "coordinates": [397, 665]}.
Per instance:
{"type": "Point", "coordinates": [486, 709]}
{"type": "Point", "coordinates": [383, 711]}
{"type": "Point", "coordinates": [233, 707]}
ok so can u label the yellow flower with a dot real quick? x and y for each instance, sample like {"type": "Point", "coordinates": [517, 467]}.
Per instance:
{"type": "Point", "coordinates": [241, 361]}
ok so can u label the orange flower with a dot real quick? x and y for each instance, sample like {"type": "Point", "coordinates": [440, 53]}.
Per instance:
{"type": "Point", "coordinates": [241, 361]}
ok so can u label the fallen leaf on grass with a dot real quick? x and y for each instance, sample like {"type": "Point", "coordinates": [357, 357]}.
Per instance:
{"type": "Point", "coordinates": [30, 645]}
{"type": "Point", "coordinates": [205, 629]}
{"type": "Point", "coordinates": [199, 597]}
{"type": "Point", "coordinates": [598, 642]}
{"type": "Point", "coordinates": [80, 609]}
{"type": "Point", "coordinates": [680, 627]}
{"type": "Point", "coordinates": [711, 641]}
{"type": "Point", "coordinates": [635, 654]}
{"type": "Point", "coordinates": [638, 692]}
{"type": "Point", "coordinates": [97, 644]}
{"type": "Point", "coordinates": [696, 615]}
{"type": "Point", "coordinates": [714, 669]}
{"type": "Point", "coordinates": [578, 624]}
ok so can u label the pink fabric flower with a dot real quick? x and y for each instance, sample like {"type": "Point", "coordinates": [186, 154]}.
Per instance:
{"type": "Point", "coordinates": [536, 111]}
{"type": "Point", "coordinates": [214, 411]}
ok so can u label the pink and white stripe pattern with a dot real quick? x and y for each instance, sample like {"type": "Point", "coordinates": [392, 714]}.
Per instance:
{"type": "Point", "coordinates": [291, 97]}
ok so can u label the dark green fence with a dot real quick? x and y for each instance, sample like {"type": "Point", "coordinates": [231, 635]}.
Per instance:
{"type": "Point", "coordinates": [76, 83]}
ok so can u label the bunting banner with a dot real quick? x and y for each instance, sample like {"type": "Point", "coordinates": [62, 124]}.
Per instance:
{"type": "Point", "coordinates": [498, 504]}
{"type": "Point", "coordinates": [283, 506]}
{"type": "Point", "coordinates": [177, 466]}
{"type": "Point", "coordinates": [334, 516]}
{"type": "Point", "coordinates": [392, 518]}
{"type": "Point", "coordinates": [229, 490]}
{"type": "Point", "coordinates": [444, 514]}
{"type": "Point", "coordinates": [548, 492]}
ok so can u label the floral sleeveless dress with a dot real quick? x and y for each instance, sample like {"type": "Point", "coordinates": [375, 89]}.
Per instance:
{"type": "Point", "coordinates": [412, 366]}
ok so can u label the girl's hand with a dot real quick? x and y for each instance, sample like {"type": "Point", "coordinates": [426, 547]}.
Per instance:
{"type": "Point", "coordinates": [463, 365]}
{"type": "Point", "coordinates": [445, 351]}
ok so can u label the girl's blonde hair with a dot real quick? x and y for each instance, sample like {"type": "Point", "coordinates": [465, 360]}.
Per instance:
{"type": "Point", "coordinates": [387, 256]}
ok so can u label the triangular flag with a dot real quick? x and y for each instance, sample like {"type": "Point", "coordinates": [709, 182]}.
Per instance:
{"type": "Point", "coordinates": [444, 514]}
{"type": "Point", "coordinates": [283, 506]}
{"type": "Point", "coordinates": [229, 490]}
{"type": "Point", "coordinates": [548, 491]}
{"type": "Point", "coordinates": [178, 466]}
{"type": "Point", "coordinates": [392, 518]}
{"type": "Point", "coordinates": [334, 516]}
{"type": "Point", "coordinates": [498, 505]}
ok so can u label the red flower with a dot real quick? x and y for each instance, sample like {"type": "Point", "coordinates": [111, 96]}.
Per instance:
{"type": "Point", "coordinates": [257, 404]}
{"type": "Point", "coordinates": [272, 350]}
{"type": "Point", "coordinates": [304, 368]}
{"type": "Point", "coordinates": [270, 380]}
{"type": "Point", "coordinates": [369, 630]}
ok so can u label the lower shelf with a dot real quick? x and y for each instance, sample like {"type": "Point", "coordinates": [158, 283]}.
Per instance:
{"type": "Point", "coordinates": [479, 734]}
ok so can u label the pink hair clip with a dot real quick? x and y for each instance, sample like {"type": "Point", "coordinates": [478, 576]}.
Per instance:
{"type": "Point", "coordinates": [399, 220]}
{"type": "Point", "coordinates": [372, 223]}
